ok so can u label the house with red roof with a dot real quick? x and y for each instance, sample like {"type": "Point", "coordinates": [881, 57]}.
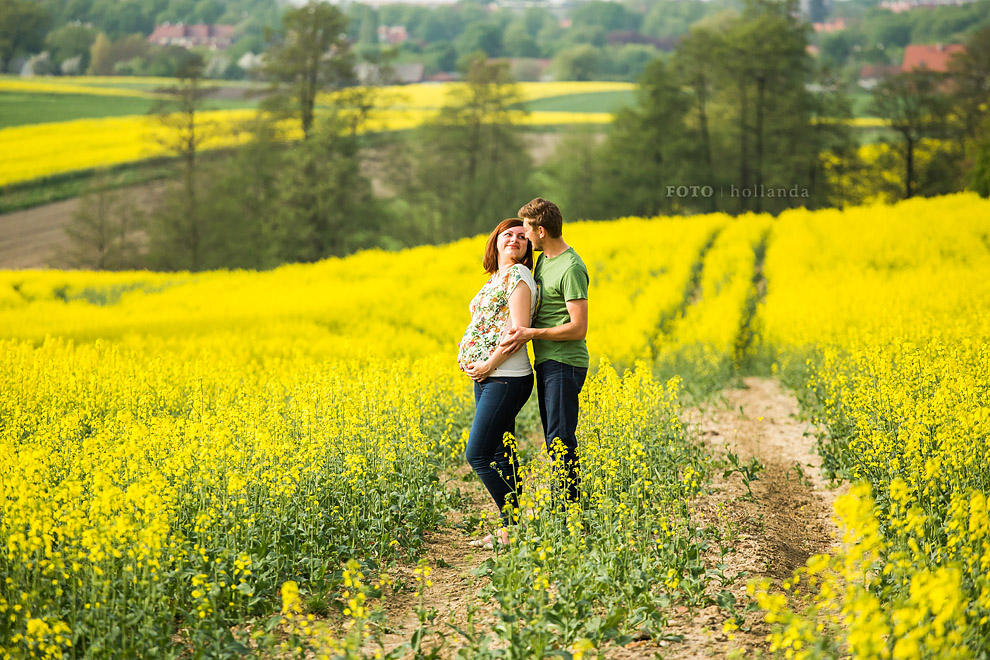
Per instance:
{"type": "Point", "coordinates": [934, 57]}
{"type": "Point", "coordinates": [216, 37]}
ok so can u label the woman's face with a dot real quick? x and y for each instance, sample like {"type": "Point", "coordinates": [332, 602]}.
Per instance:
{"type": "Point", "coordinates": [512, 244]}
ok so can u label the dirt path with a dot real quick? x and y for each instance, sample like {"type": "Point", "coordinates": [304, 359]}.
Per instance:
{"type": "Point", "coordinates": [454, 587]}
{"type": "Point", "coordinates": [787, 520]}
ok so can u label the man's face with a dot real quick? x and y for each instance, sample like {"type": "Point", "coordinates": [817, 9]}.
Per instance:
{"type": "Point", "coordinates": [534, 234]}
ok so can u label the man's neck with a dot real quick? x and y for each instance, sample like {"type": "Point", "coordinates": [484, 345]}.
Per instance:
{"type": "Point", "coordinates": [554, 247]}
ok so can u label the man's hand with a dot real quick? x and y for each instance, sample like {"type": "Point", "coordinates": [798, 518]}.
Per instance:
{"type": "Point", "coordinates": [516, 338]}
{"type": "Point", "coordinates": [478, 371]}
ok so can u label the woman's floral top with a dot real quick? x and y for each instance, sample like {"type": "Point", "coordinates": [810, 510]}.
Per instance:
{"type": "Point", "coordinates": [489, 313]}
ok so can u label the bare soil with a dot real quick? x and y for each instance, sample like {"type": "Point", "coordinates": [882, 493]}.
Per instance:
{"type": "Point", "coordinates": [787, 520]}
{"type": "Point", "coordinates": [36, 238]}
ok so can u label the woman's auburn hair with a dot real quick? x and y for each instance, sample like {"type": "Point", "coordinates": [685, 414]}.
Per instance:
{"type": "Point", "coordinates": [490, 262]}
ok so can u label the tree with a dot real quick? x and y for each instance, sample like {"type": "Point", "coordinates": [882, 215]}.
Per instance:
{"type": "Point", "coordinates": [178, 229]}
{"type": "Point", "coordinates": [576, 176]}
{"type": "Point", "coordinates": [577, 63]}
{"type": "Point", "coordinates": [23, 25]}
{"type": "Point", "coordinates": [103, 232]}
{"type": "Point", "coordinates": [327, 205]}
{"type": "Point", "coordinates": [100, 58]}
{"type": "Point", "coordinates": [242, 203]}
{"type": "Point", "coordinates": [609, 16]}
{"type": "Point", "coordinates": [485, 37]}
{"type": "Point", "coordinates": [766, 69]}
{"type": "Point", "coordinates": [517, 42]}
{"type": "Point", "coordinates": [469, 166]}
{"type": "Point", "coordinates": [71, 41]}
{"type": "Point", "coordinates": [970, 72]}
{"type": "Point", "coordinates": [308, 55]}
{"type": "Point", "coordinates": [649, 148]}
{"type": "Point", "coordinates": [696, 67]}
{"type": "Point", "coordinates": [917, 107]}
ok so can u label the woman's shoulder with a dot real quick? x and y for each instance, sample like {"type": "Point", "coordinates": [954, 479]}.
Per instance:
{"type": "Point", "coordinates": [521, 272]}
{"type": "Point", "coordinates": [521, 269]}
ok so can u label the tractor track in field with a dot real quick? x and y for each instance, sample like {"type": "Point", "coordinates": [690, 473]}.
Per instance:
{"type": "Point", "coordinates": [788, 519]}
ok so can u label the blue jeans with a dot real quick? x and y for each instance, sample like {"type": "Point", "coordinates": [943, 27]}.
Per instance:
{"type": "Point", "coordinates": [558, 386]}
{"type": "Point", "coordinates": [499, 399]}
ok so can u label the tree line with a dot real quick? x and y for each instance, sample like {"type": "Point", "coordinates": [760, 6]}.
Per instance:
{"type": "Point", "coordinates": [738, 118]}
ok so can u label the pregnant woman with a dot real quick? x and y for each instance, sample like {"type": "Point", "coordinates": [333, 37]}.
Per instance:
{"type": "Point", "coordinates": [502, 383]}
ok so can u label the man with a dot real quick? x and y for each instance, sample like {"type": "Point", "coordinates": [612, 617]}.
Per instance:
{"type": "Point", "coordinates": [558, 333]}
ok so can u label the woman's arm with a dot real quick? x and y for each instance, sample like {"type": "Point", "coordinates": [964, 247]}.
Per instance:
{"type": "Point", "coordinates": [519, 308]}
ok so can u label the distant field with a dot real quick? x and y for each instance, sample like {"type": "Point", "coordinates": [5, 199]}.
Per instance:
{"type": "Point", "coordinates": [54, 127]}
{"type": "Point", "coordinates": [593, 102]}
{"type": "Point", "coordinates": [22, 109]}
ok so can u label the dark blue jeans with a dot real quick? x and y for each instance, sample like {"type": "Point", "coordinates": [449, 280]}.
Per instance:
{"type": "Point", "coordinates": [558, 386]}
{"type": "Point", "coordinates": [499, 399]}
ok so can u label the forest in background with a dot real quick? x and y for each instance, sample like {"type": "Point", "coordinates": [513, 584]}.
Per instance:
{"type": "Point", "coordinates": [590, 40]}
{"type": "Point", "coordinates": [739, 116]}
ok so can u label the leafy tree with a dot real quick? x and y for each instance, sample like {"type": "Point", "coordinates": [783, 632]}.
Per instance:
{"type": "Point", "coordinates": [362, 23]}
{"type": "Point", "coordinates": [309, 54]}
{"type": "Point", "coordinates": [71, 41]}
{"type": "Point", "coordinates": [696, 61]}
{"type": "Point", "coordinates": [970, 71]}
{"type": "Point", "coordinates": [439, 57]}
{"type": "Point", "coordinates": [208, 11]}
{"type": "Point", "coordinates": [179, 230]}
{"type": "Point", "coordinates": [767, 69]}
{"type": "Point", "coordinates": [536, 19]}
{"type": "Point", "coordinates": [327, 205]}
{"type": "Point", "coordinates": [832, 146]}
{"type": "Point", "coordinates": [630, 60]}
{"type": "Point", "coordinates": [485, 37]}
{"type": "Point", "coordinates": [518, 42]}
{"type": "Point", "coordinates": [243, 203]}
{"type": "Point", "coordinates": [469, 166]}
{"type": "Point", "coordinates": [667, 20]}
{"type": "Point", "coordinates": [648, 148]}
{"type": "Point", "coordinates": [100, 57]}
{"type": "Point", "coordinates": [609, 16]}
{"type": "Point", "coordinates": [577, 63]}
{"type": "Point", "coordinates": [576, 176]}
{"type": "Point", "coordinates": [23, 25]}
{"type": "Point", "coordinates": [917, 107]}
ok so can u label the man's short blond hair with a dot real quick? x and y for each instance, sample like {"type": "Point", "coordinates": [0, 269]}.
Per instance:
{"type": "Point", "coordinates": [543, 213]}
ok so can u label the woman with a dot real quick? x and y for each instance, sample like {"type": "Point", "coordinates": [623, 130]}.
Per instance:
{"type": "Point", "coordinates": [502, 383]}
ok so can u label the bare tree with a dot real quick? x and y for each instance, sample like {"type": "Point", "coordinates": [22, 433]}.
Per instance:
{"type": "Point", "coordinates": [105, 232]}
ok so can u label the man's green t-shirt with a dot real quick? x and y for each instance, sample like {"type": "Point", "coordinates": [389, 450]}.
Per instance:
{"type": "Point", "coordinates": [559, 279]}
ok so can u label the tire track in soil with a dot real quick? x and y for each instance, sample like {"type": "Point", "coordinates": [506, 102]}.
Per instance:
{"type": "Point", "coordinates": [789, 520]}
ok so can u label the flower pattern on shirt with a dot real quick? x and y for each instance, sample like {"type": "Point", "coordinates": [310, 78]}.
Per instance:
{"type": "Point", "coordinates": [489, 313]}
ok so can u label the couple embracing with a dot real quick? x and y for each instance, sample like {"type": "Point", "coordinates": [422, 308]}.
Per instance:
{"type": "Point", "coordinates": [549, 307]}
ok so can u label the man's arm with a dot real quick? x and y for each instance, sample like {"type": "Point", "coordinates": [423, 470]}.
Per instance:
{"type": "Point", "coordinates": [518, 317]}
{"type": "Point", "coordinates": [576, 328]}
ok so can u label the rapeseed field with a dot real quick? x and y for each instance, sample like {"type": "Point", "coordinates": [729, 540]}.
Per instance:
{"type": "Point", "coordinates": [229, 463]}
